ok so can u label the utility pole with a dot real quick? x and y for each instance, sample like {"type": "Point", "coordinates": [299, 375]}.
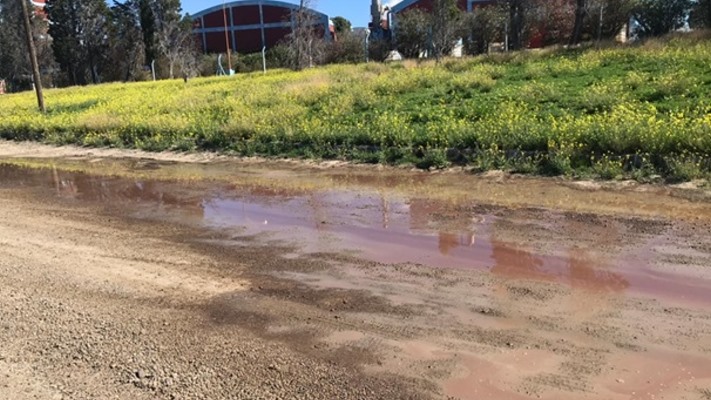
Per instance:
{"type": "Point", "coordinates": [33, 56]}
{"type": "Point", "coordinates": [227, 39]}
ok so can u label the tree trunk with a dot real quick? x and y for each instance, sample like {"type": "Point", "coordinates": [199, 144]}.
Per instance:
{"type": "Point", "coordinates": [92, 70]}
{"type": "Point", "coordinates": [298, 28]}
{"type": "Point", "coordinates": [516, 22]}
{"type": "Point", "coordinates": [579, 20]}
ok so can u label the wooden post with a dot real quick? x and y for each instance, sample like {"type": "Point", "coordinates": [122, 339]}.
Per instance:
{"type": "Point", "coordinates": [227, 39]}
{"type": "Point", "coordinates": [33, 56]}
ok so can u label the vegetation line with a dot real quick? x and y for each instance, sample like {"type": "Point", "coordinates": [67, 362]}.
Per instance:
{"type": "Point", "coordinates": [641, 112]}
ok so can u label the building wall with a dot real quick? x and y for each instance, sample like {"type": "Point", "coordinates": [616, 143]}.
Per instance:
{"type": "Point", "coordinates": [250, 25]}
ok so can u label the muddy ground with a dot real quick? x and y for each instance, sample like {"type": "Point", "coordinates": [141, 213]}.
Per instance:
{"type": "Point", "coordinates": [134, 276]}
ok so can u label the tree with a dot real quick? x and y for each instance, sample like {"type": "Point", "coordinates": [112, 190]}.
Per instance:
{"type": "Point", "coordinates": [305, 45]}
{"type": "Point", "coordinates": [342, 25]}
{"type": "Point", "coordinates": [126, 36]}
{"type": "Point", "coordinates": [412, 33]}
{"type": "Point", "coordinates": [148, 28]}
{"type": "Point", "coordinates": [552, 21]}
{"type": "Point", "coordinates": [609, 17]}
{"type": "Point", "coordinates": [445, 27]}
{"type": "Point", "coordinates": [177, 45]}
{"type": "Point", "coordinates": [701, 14]}
{"type": "Point", "coordinates": [165, 12]}
{"type": "Point", "coordinates": [14, 62]}
{"type": "Point", "coordinates": [517, 23]}
{"type": "Point", "coordinates": [171, 31]}
{"type": "Point", "coordinates": [604, 18]}
{"type": "Point", "coordinates": [435, 33]}
{"type": "Point", "coordinates": [521, 21]}
{"type": "Point", "coordinates": [659, 17]}
{"type": "Point", "coordinates": [350, 48]}
{"type": "Point", "coordinates": [79, 38]}
{"type": "Point", "coordinates": [484, 26]}
{"type": "Point", "coordinates": [581, 7]}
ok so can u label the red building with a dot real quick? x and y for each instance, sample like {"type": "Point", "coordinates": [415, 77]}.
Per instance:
{"type": "Point", "coordinates": [248, 25]}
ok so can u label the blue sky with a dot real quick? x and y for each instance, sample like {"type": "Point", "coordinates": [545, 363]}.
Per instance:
{"type": "Point", "coordinates": [357, 11]}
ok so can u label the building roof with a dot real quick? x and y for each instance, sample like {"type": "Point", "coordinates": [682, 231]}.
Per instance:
{"type": "Point", "coordinates": [467, 5]}
{"type": "Point", "coordinates": [402, 5]}
{"type": "Point", "coordinates": [242, 3]}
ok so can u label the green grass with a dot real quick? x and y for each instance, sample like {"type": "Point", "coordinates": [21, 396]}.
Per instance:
{"type": "Point", "coordinates": [636, 112]}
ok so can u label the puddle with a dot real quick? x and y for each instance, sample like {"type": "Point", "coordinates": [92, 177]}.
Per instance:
{"type": "Point", "coordinates": [373, 217]}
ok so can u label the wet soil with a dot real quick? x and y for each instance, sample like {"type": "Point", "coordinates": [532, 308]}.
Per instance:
{"type": "Point", "coordinates": [136, 277]}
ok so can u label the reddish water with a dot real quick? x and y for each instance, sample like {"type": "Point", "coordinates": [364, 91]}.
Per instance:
{"type": "Point", "coordinates": [379, 225]}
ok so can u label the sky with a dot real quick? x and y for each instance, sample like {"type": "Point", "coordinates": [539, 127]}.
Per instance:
{"type": "Point", "coordinates": [356, 11]}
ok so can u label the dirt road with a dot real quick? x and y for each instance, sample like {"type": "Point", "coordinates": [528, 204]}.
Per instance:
{"type": "Point", "coordinates": [204, 278]}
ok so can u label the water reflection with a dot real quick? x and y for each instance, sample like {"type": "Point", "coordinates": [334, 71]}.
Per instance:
{"type": "Point", "coordinates": [110, 191]}
{"type": "Point", "coordinates": [450, 241]}
{"type": "Point", "coordinates": [376, 224]}
{"type": "Point", "coordinates": [576, 268]}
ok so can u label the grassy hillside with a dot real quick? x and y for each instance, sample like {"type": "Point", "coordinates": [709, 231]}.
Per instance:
{"type": "Point", "coordinates": [633, 112]}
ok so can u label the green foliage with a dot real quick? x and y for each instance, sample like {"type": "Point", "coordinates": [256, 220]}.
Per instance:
{"type": "Point", "coordinates": [701, 15]}
{"type": "Point", "coordinates": [659, 17]}
{"type": "Point", "coordinates": [615, 15]}
{"type": "Point", "coordinates": [378, 50]}
{"type": "Point", "coordinates": [412, 33]}
{"type": "Point", "coordinates": [432, 33]}
{"type": "Point", "coordinates": [484, 26]}
{"type": "Point", "coordinates": [348, 49]}
{"type": "Point", "coordinates": [79, 38]}
{"type": "Point", "coordinates": [342, 25]}
{"type": "Point", "coordinates": [14, 64]}
{"type": "Point", "coordinates": [12, 45]}
{"type": "Point", "coordinates": [628, 112]}
{"type": "Point", "coordinates": [127, 55]}
{"type": "Point", "coordinates": [445, 27]}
